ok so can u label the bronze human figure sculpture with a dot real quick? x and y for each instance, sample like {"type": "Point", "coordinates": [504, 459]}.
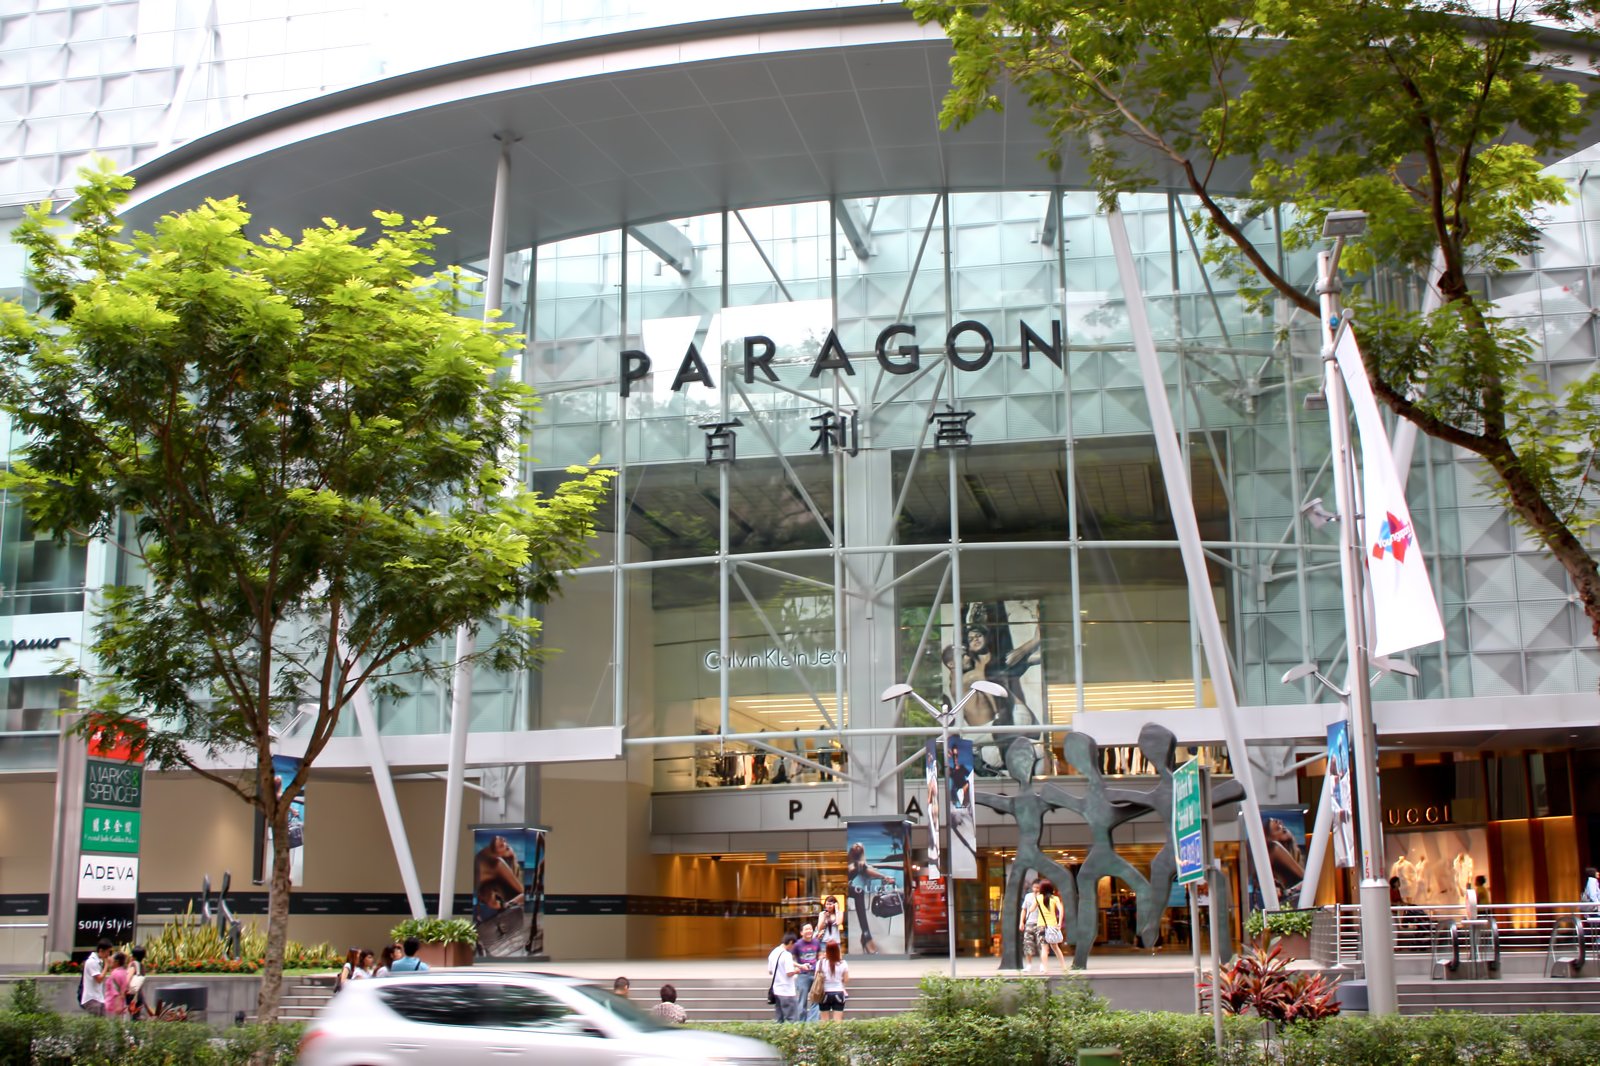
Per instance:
{"type": "Point", "coordinates": [1102, 816]}
{"type": "Point", "coordinates": [1028, 808]}
{"type": "Point", "coordinates": [1158, 746]}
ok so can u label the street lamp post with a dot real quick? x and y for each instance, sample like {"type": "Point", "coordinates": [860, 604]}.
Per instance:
{"type": "Point", "coordinates": [1377, 929]}
{"type": "Point", "coordinates": [946, 717]}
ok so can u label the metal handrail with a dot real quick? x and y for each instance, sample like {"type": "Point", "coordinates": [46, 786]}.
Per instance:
{"type": "Point", "coordinates": [1582, 958]}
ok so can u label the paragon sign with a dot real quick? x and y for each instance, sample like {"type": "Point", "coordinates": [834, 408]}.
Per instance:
{"type": "Point", "coordinates": [759, 352]}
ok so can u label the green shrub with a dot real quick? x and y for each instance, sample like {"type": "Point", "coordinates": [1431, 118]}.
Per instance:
{"type": "Point", "coordinates": [946, 997]}
{"type": "Point", "coordinates": [1448, 1039]}
{"type": "Point", "coordinates": [25, 998]}
{"type": "Point", "coordinates": [437, 930]}
{"type": "Point", "coordinates": [82, 1040]}
{"type": "Point", "coordinates": [1280, 923]}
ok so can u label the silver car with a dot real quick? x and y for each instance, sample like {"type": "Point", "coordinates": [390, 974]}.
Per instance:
{"type": "Point", "coordinates": [475, 1018]}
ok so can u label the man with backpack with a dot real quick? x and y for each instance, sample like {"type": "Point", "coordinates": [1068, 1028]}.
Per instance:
{"type": "Point", "coordinates": [92, 989]}
{"type": "Point", "coordinates": [409, 963]}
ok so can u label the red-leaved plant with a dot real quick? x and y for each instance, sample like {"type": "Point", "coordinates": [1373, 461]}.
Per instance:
{"type": "Point", "coordinates": [1260, 980]}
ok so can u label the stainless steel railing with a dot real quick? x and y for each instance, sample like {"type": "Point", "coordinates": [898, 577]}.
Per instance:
{"type": "Point", "coordinates": [1513, 929]}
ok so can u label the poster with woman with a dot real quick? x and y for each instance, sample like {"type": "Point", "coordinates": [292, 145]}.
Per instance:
{"type": "Point", "coordinates": [876, 878]}
{"type": "Point", "coordinates": [963, 857]}
{"type": "Point", "coordinates": [508, 890]}
{"type": "Point", "coordinates": [998, 641]}
{"type": "Point", "coordinates": [935, 822]}
{"type": "Point", "coordinates": [1286, 846]}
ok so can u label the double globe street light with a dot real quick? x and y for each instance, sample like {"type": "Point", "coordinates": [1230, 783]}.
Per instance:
{"type": "Point", "coordinates": [946, 717]}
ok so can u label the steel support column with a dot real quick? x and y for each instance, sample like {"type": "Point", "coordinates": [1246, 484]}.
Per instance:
{"type": "Point", "coordinates": [1176, 473]}
{"type": "Point", "coordinates": [466, 642]}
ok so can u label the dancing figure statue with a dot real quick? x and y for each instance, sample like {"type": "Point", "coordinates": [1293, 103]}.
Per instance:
{"type": "Point", "coordinates": [1028, 807]}
{"type": "Point", "coordinates": [1159, 747]}
{"type": "Point", "coordinates": [1102, 816]}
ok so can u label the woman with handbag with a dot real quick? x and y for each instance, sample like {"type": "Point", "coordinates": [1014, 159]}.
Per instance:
{"type": "Point", "coordinates": [862, 874]}
{"type": "Point", "coordinates": [1051, 913]}
{"type": "Point", "coordinates": [829, 993]}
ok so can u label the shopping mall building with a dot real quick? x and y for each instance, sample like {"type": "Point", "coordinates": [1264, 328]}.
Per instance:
{"type": "Point", "coordinates": [871, 392]}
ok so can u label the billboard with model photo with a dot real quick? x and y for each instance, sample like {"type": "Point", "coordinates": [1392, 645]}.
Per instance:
{"type": "Point", "coordinates": [508, 890]}
{"type": "Point", "coordinates": [996, 641]}
{"type": "Point", "coordinates": [876, 881]}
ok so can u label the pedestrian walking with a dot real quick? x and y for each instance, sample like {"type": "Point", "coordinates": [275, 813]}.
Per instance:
{"type": "Point", "coordinates": [1029, 925]}
{"type": "Point", "coordinates": [828, 926]}
{"type": "Point", "coordinates": [92, 993]}
{"type": "Point", "coordinates": [408, 961]}
{"type": "Point", "coordinates": [668, 1010]}
{"type": "Point", "coordinates": [386, 959]}
{"type": "Point", "coordinates": [621, 986]}
{"type": "Point", "coordinates": [780, 982]}
{"type": "Point", "coordinates": [806, 952]}
{"type": "Point", "coordinates": [137, 1007]}
{"type": "Point", "coordinates": [116, 987]}
{"type": "Point", "coordinates": [835, 974]}
{"type": "Point", "coordinates": [1051, 925]}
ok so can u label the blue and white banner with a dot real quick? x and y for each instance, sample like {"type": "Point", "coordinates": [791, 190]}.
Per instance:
{"type": "Point", "coordinates": [1342, 826]}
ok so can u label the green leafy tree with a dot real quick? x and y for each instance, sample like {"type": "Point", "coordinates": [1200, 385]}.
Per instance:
{"type": "Point", "coordinates": [317, 457]}
{"type": "Point", "coordinates": [1430, 115]}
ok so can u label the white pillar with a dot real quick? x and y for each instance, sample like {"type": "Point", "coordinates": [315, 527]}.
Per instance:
{"type": "Point", "coordinates": [466, 643]}
{"type": "Point", "coordinates": [1176, 473]}
{"type": "Point", "coordinates": [372, 741]}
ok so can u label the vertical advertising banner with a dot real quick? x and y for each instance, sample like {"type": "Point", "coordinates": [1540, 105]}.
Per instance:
{"type": "Point", "coordinates": [963, 857]}
{"type": "Point", "coordinates": [508, 890]}
{"type": "Point", "coordinates": [935, 828]}
{"type": "Point", "coordinates": [284, 767]}
{"type": "Point", "coordinates": [1286, 847]}
{"type": "Point", "coordinates": [108, 863]}
{"type": "Point", "coordinates": [1342, 826]}
{"type": "Point", "coordinates": [877, 870]}
{"type": "Point", "coordinates": [995, 641]}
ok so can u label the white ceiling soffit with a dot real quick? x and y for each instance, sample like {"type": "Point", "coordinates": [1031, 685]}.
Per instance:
{"type": "Point", "coordinates": [624, 129]}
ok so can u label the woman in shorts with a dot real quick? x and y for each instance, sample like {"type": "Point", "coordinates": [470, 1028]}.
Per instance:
{"type": "Point", "coordinates": [835, 974]}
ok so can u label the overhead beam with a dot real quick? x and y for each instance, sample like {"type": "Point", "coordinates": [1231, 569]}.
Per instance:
{"type": "Point", "coordinates": [857, 228]}
{"type": "Point", "coordinates": [1050, 224]}
{"type": "Point", "coordinates": [669, 243]}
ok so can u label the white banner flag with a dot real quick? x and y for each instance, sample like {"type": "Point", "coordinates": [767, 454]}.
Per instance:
{"type": "Point", "coordinates": [1405, 613]}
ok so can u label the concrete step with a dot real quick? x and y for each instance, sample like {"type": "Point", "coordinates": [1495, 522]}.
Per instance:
{"type": "Point", "coordinates": [1577, 996]}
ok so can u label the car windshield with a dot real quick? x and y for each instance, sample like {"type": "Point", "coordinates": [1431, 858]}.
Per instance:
{"type": "Point", "coordinates": [622, 1009]}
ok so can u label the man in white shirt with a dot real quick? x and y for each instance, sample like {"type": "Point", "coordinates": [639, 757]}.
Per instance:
{"type": "Point", "coordinates": [93, 998]}
{"type": "Point", "coordinates": [781, 970]}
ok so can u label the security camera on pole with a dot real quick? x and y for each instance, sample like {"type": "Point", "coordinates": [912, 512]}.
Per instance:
{"type": "Point", "coordinates": [946, 717]}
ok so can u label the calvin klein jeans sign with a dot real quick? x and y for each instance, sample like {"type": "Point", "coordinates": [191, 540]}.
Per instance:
{"type": "Point", "coordinates": [759, 352]}
{"type": "Point", "coordinates": [102, 877]}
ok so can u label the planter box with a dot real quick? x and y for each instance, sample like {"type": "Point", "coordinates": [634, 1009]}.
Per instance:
{"type": "Point", "coordinates": [1296, 945]}
{"type": "Point", "coordinates": [437, 955]}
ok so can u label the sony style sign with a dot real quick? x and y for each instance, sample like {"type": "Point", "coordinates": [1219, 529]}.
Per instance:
{"type": "Point", "coordinates": [102, 877]}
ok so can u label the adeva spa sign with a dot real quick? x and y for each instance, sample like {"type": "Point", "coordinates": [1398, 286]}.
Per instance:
{"type": "Point", "coordinates": [759, 352]}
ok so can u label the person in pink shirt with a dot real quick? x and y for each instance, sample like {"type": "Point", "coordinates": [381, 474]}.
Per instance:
{"type": "Point", "coordinates": [117, 987]}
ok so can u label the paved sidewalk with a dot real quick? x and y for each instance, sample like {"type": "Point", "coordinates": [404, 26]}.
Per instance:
{"type": "Point", "coordinates": [870, 966]}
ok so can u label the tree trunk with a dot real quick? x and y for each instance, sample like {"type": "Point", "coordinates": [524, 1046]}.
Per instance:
{"type": "Point", "coordinates": [270, 1001]}
{"type": "Point", "coordinates": [1529, 503]}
